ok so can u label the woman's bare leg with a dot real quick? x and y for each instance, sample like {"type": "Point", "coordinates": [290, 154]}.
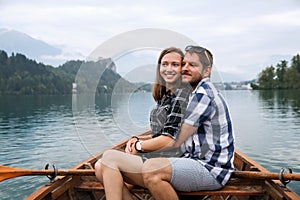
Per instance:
{"type": "Point", "coordinates": [117, 166]}
{"type": "Point", "coordinates": [98, 170]}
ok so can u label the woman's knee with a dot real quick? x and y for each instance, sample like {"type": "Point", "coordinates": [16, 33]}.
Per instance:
{"type": "Point", "coordinates": [109, 157]}
{"type": "Point", "coordinates": [106, 160]}
{"type": "Point", "coordinates": [112, 159]}
{"type": "Point", "coordinates": [98, 170]}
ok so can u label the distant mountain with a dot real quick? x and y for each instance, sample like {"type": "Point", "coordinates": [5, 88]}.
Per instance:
{"type": "Point", "coordinates": [18, 42]}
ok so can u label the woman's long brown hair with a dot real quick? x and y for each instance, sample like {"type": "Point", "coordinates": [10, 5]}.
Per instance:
{"type": "Point", "coordinates": [159, 87]}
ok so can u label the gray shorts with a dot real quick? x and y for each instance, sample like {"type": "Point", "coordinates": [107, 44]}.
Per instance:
{"type": "Point", "coordinates": [190, 175]}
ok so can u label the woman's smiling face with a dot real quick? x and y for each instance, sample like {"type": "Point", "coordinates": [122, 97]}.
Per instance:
{"type": "Point", "coordinates": [170, 68]}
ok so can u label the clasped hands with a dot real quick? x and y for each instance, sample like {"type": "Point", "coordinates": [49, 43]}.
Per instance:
{"type": "Point", "coordinates": [130, 146]}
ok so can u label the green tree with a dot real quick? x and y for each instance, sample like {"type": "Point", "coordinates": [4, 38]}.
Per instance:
{"type": "Point", "coordinates": [3, 57]}
{"type": "Point", "coordinates": [296, 62]}
{"type": "Point", "coordinates": [281, 69]}
{"type": "Point", "coordinates": [292, 79]}
{"type": "Point", "coordinates": [266, 78]}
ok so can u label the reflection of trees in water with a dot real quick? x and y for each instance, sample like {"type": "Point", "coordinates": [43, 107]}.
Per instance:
{"type": "Point", "coordinates": [285, 100]}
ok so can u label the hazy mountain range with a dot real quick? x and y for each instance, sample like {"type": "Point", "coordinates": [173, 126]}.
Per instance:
{"type": "Point", "coordinates": [18, 42]}
{"type": "Point", "coordinates": [13, 41]}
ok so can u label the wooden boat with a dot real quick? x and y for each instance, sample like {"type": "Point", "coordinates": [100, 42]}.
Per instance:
{"type": "Point", "coordinates": [75, 187]}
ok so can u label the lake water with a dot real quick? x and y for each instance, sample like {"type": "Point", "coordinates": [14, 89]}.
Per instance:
{"type": "Point", "coordinates": [64, 130]}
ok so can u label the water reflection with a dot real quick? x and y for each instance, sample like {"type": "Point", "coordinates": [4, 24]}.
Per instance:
{"type": "Point", "coordinates": [281, 99]}
{"type": "Point", "coordinates": [280, 116]}
{"type": "Point", "coordinates": [35, 130]}
{"type": "Point", "coordinates": [109, 119]}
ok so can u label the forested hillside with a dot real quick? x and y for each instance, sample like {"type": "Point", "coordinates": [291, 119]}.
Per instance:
{"type": "Point", "coordinates": [20, 75]}
{"type": "Point", "coordinates": [282, 76]}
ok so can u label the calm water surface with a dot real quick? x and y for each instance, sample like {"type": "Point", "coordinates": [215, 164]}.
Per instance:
{"type": "Point", "coordinates": [64, 130]}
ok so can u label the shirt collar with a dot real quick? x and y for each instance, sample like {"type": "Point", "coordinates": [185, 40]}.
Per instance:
{"type": "Point", "coordinates": [207, 79]}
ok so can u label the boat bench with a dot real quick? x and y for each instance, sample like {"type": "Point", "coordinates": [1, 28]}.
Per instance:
{"type": "Point", "coordinates": [235, 187]}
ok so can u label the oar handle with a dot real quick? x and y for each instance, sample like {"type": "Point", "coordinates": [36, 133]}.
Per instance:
{"type": "Point", "coordinates": [9, 172]}
{"type": "Point", "coordinates": [265, 175]}
{"type": "Point", "coordinates": [62, 172]}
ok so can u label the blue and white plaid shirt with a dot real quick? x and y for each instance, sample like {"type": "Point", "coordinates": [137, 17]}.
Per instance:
{"type": "Point", "coordinates": [213, 144]}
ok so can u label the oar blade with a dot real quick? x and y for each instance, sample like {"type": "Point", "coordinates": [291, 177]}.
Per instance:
{"type": "Point", "coordinates": [8, 172]}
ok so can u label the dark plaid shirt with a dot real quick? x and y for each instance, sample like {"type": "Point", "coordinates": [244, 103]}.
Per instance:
{"type": "Point", "coordinates": [166, 118]}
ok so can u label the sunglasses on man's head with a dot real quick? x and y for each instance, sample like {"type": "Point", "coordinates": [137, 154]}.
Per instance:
{"type": "Point", "coordinates": [198, 49]}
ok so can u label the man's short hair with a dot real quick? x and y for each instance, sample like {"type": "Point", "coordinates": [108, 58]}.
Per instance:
{"type": "Point", "coordinates": [205, 56]}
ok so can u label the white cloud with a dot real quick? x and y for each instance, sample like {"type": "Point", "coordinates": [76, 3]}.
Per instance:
{"type": "Point", "coordinates": [283, 19]}
{"type": "Point", "coordinates": [238, 33]}
{"type": "Point", "coordinates": [62, 58]}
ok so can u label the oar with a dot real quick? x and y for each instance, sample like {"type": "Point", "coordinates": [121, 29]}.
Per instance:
{"type": "Point", "coordinates": [265, 175]}
{"type": "Point", "coordinates": [9, 172]}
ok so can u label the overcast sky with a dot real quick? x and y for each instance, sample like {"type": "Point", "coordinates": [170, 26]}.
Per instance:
{"type": "Point", "coordinates": [244, 36]}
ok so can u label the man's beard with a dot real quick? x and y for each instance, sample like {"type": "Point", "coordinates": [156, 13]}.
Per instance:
{"type": "Point", "coordinates": [194, 83]}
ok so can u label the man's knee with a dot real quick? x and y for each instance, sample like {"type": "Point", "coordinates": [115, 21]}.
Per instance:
{"type": "Point", "coordinates": [150, 179]}
{"type": "Point", "coordinates": [149, 176]}
{"type": "Point", "coordinates": [153, 172]}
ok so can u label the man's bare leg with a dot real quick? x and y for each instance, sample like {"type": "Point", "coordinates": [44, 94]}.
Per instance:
{"type": "Point", "coordinates": [157, 173]}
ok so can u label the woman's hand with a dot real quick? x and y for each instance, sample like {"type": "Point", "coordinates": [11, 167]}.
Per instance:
{"type": "Point", "coordinates": [130, 146]}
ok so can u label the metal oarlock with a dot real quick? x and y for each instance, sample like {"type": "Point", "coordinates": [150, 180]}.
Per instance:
{"type": "Point", "coordinates": [51, 177]}
{"type": "Point", "coordinates": [284, 182]}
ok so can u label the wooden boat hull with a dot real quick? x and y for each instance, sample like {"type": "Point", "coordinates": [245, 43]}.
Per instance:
{"type": "Point", "coordinates": [88, 187]}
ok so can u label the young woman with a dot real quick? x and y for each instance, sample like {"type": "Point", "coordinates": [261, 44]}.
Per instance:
{"type": "Point", "coordinates": [171, 96]}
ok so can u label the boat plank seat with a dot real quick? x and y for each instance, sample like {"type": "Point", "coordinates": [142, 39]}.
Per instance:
{"type": "Point", "coordinates": [89, 185]}
{"type": "Point", "coordinates": [235, 187]}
